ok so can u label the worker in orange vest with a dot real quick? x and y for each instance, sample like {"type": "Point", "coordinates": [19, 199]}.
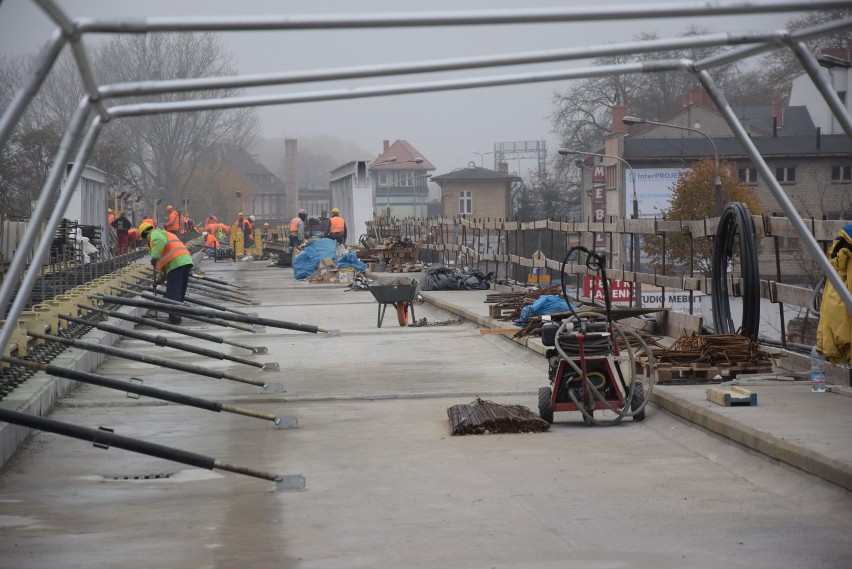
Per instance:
{"type": "Point", "coordinates": [110, 216]}
{"type": "Point", "coordinates": [172, 262]}
{"type": "Point", "coordinates": [336, 227]}
{"type": "Point", "coordinates": [210, 243]}
{"type": "Point", "coordinates": [297, 229]}
{"type": "Point", "coordinates": [173, 222]}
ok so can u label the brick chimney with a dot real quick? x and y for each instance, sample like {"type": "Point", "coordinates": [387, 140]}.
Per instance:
{"type": "Point", "coordinates": [385, 146]}
{"type": "Point", "coordinates": [618, 114]}
{"type": "Point", "coordinates": [778, 113]}
{"type": "Point", "coordinates": [291, 182]}
{"type": "Point", "coordinates": [698, 97]}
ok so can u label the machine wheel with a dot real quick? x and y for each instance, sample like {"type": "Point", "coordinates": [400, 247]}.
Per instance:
{"type": "Point", "coordinates": [545, 411]}
{"type": "Point", "coordinates": [638, 397]}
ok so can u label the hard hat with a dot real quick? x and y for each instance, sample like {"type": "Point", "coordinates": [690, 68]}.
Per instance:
{"type": "Point", "coordinates": [335, 210]}
{"type": "Point", "coordinates": [204, 234]}
{"type": "Point", "coordinates": [303, 211]}
{"type": "Point", "coordinates": [240, 214]}
{"type": "Point", "coordinates": [109, 210]}
{"type": "Point", "coordinates": [144, 227]}
{"type": "Point", "coordinates": [251, 217]}
{"type": "Point", "coordinates": [266, 225]}
{"type": "Point", "coordinates": [169, 207]}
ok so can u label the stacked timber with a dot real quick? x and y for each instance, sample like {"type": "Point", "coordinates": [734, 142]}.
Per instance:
{"type": "Point", "coordinates": [715, 357]}
{"type": "Point", "coordinates": [486, 417]}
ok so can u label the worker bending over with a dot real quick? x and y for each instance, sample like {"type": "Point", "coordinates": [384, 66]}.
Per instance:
{"type": "Point", "coordinates": [210, 243]}
{"type": "Point", "coordinates": [172, 262]}
{"type": "Point", "coordinates": [336, 227]}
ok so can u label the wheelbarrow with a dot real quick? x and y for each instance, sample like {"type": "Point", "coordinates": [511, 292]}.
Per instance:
{"type": "Point", "coordinates": [401, 296]}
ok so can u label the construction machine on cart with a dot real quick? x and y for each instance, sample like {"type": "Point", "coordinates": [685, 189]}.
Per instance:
{"type": "Point", "coordinates": [592, 364]}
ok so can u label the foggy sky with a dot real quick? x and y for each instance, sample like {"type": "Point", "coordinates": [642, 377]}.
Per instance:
{"type": "Point", "coordinates": [447, 128]}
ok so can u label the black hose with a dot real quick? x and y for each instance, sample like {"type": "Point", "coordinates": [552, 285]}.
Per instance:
{"type": "Point", "coordinates": [736, 219]}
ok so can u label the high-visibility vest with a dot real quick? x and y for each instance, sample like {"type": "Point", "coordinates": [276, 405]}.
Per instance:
{"type": "Point", "coordinates": [294, 225]}
{"type": "Point", "coordinates": [173, 224]}
{"type": "Point", "coordinates": [336, 224]}
{"type": "Point", "coordinates": [110, 218]}
{"type": "Point", "coordinates": [174, 248]}
{"type": "Point", "coordinates": [211, 241]}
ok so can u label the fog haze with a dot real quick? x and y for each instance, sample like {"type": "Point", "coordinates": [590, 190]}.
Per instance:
{"type": "Point", "coordinates": [447, 128]}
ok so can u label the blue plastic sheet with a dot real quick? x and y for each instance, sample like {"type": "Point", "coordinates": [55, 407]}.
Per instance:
{"type": "Point", "coordinates": [545, 304]}
{"type": "Point", "coordinates": [305, 263]}
{"type": "Point", "coordinates": [349, 260]}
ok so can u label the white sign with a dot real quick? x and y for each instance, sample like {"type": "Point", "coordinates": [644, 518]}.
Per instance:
{"type": "Point", "coordinates": [654, 189]}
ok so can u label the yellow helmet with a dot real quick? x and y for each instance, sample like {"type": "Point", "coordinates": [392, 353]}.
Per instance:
{"type": "Point", "coordinates": [109, 210]}
{"type": "Point", "coordinates": [240, 214]}
{"type": "Point", "coordinates": [144, 227]}
{"type": "Point", "coordinates": [335, 210]}
{"type": "Point", "coordinates": [169, 207]}
{"type": "Point", "coordinates": [266, 225]}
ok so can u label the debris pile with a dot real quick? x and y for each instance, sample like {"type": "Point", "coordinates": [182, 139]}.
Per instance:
{"type": "Point", "coordinates": [486, 417]}
{"type": "Point", "coordinates": [508, 305]}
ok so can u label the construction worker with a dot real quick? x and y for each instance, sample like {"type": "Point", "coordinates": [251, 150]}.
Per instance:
{"type": "Point", "coordinates": [149, 220]}
{"type": "Point", "coordinates": [248, 231]}
{"type": "Point", "coordinates": [264, 231]}
{"type": "Point", "coordinates": [336, 227]}
{"type": "Point", "coordinates": [210, 219]}
{"type": "Point", "coordinates": [297, 229]}
{"type": "Point", "coordinates": [132, 237]}
{"type": "Point", "coordinates": [110, 215]}
{"type": "Point", "coordinates": [173, 222]}
{"type": "Point", "coordinates": [172, 262]}
{"type": "Point", "coordinates": [210, 243]}
{"type": "Point", "coordinates": [122, 225]}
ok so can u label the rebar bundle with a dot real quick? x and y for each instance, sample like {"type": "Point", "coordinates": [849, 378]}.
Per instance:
{"type": "Point", "coordinates": [486, 417]}
{"type": "Point", "coordinates": [713, 349]}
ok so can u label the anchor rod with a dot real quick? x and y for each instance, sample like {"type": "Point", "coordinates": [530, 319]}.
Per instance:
{"type": "Point", "coordinates": [106, 439]}
{"type": "Point", "coordinates": [139, 389]}
{"type": "Point", "coordinates": [164, 326]}
{"type": "Point", "coordinates": [144, 358]}
{"type": "Point", "coordinates": [191, 311]}
{"type": "Point", "coordinates": [160, 341]}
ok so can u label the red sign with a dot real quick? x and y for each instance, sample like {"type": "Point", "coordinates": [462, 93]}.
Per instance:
{"type": "Point", "coordinates": [619, 291]}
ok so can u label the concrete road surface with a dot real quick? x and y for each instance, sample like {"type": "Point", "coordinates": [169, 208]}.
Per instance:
{"type": "Point", "coordinates": [387, 486]}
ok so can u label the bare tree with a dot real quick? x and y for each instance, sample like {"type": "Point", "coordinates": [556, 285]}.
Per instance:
{"type": "Point", "coordinates": [165, 148]}
{"type": "Point", "coordinates": [779, 67]}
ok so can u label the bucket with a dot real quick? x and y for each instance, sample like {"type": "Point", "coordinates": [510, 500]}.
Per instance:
{"type": "Point", "coordinates": [345, 275]}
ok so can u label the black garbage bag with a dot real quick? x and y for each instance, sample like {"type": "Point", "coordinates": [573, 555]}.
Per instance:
{"type": "Point", "coordinates": [445, 278]}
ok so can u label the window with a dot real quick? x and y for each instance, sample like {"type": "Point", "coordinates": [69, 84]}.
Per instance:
{"type": "Point", "coordinates": [747, 175]}
{"type": "Point", "coordinates": [841, 173]}
{"type": "Point", "coordinates": [383, 179]}
{"type": "Point", "coordinates": [465, 202]}
{"type": "Point", "coordinates": [785, 173]}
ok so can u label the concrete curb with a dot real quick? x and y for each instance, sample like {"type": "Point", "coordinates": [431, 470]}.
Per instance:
{"type": "Point", "coordinates": [765, 443]}
{"type": "Point", "coordinates": [39, 394]}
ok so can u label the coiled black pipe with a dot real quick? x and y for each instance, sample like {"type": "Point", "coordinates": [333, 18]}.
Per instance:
{"type": "Point", "coordinates": [736, 220]}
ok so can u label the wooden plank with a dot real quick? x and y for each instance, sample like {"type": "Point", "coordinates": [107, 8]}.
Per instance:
{"type": "Point", "coordinates": [484, 331]}
{"type": "Point", "coordinates": [736, 396]}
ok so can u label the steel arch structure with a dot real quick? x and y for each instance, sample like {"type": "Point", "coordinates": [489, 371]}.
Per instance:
{"type": "Point", "coordinates": [101, 103]}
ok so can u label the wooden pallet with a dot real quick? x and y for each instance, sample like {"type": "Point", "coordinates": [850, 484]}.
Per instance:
{"type": "Point", "coordinates": [736, 396]}
{"type": "Point", "coordinates": [705, 373]}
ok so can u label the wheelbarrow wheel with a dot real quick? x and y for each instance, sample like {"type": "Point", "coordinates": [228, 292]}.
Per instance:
{"type": "Point", "coordinates": [636, 402]}
{"type": "Point", "coordinates": [545, 411]}
{"type": "Point", "coordinates": [402, 313]}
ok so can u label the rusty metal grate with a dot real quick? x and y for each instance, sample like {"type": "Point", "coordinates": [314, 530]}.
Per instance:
{"type": "Point", "coordinates": [134, 477]}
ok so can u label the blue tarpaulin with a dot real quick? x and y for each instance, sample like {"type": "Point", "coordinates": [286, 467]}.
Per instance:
{"type": "Point", "coordinates": [305, 263]}
{"type": "Point", "coordinates": [545, 304]}
{"type": "Point", "coordinates": [350, 260]}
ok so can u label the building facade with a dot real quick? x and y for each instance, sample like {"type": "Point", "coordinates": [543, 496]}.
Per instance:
{"type": "Point", "coordinates": [400, 175]}
{"type": "Point", "coordinates": [476, 192]}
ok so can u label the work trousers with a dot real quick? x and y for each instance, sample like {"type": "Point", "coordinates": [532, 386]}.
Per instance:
{"type": "Point", "coordinates": [176, 282]}
{"type": "Point", "coordinates": [121, 241]}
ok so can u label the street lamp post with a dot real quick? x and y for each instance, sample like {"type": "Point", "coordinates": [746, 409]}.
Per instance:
{"type": "Point", "coordinates": [635, 260]}
{"type": "Point", "coordinates": [718, 183]}
{"type": "Point", "coordinates": [482, 156]}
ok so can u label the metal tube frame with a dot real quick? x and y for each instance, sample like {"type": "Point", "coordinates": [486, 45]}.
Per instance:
{"type": "Point", "coordinates": [74, 30]}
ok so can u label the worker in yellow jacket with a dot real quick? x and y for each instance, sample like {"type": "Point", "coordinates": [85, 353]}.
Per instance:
{"type": "Point", "coordinates": [834, 334]}
{"type": "Point", "coordinates": [172, 262]}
